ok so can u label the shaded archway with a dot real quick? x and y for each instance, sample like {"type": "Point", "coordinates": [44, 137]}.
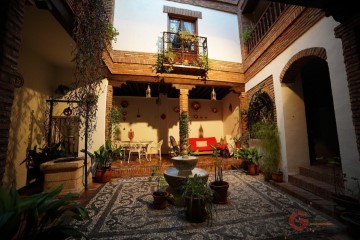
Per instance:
{"type": "Point", "coordinates": [310, 127]}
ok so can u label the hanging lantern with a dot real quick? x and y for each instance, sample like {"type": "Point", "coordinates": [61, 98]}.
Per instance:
{"type": "Point", "coordinates": [148, 92]}
{"type": "Point", "coordinates": [213, 95]}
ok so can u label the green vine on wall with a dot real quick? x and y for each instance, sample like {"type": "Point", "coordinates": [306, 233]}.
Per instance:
{"type": "Point", "coordinates": [184, 131]}
{"type": "Point", "coordinates": [93, 35]}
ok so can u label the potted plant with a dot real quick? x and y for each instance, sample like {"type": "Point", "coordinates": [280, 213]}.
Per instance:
{"type": "Point", "coordinates": [39, 216]}
{"type": "Point", "coordinates": [169, 56]}
{"type": "Point", "coordinates": [102, 159]}
{"type": "Point", "coordinates": [237, 141]}
{"type": "Point", "coordinates": [269, 142]}
{"type": "Point", "coordinates": [252, 157]}
{"type": "Point", "coordinates": [219, 186]}
{"type": "Point", "coordinates": [246, 33]}
{"type": "Point", "coordinates": [198, 198]}
{"type": "Point", "coordinates": [160, 195]}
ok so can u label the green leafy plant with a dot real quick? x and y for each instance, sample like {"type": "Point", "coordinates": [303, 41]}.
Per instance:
{"type": "Point", "coordinates": [246, 33]}
{"type": "Point", "coordinates": [159, 178]}
{"type": "Point", "coordinates": [184, 133]}
{"type": "Point", "coordinates": [114, 120]}
{"type": "Point", "coordinates": [199, 195]}
{"type": "Point", "coordinates": [250, 154]}
{"type": "Point", "coordinates": [103, 157]}
{"type": "Point", "coordinates": [217, 164]}
{"type": "Point", "coordinates": [40, 216]}
{"type": "Point", "coordinates": [270, 145]}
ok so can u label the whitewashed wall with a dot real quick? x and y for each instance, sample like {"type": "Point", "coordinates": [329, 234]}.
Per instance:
{"type": "Point", "coordinates": [141, 22]}
{"type": "Point", "coordinates": [320, 35]}
{"type": "Point", "coordinates": [151, 127]}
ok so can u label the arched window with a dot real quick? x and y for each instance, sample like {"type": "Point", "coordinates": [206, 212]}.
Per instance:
{"type": "Point", "coordinates": [260, 109]}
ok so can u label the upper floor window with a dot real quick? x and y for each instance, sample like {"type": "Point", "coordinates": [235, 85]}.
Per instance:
{"type": "Point", "coordinates": [177, 24]}
{"type": "Point", "coordinates": [182, 26]}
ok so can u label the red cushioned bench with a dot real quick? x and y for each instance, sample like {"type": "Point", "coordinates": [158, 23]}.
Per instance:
{"type": "Point", "coordinates": [202, 145]}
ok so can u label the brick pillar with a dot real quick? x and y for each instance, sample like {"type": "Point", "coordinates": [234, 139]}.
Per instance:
{"type": "Point", "coordinates": [243, 110]}
{"type": "Point", "coordinates": [184, 100]}
{"type": "Point", "coordinates": [184, 107]}
{"type": "Point", "coordinates": [109, 103]}
{"type": "Point", "coordinates": [11, 22]}
{"type": "Point", "coordinates": [350, 37]}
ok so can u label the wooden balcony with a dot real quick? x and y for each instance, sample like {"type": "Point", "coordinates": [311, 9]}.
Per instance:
{"type": "Point", "coordinates": [265, 22]}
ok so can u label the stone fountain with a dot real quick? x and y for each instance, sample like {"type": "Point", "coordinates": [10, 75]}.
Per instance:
{"type": "Point", "coordinates": [175, 176]}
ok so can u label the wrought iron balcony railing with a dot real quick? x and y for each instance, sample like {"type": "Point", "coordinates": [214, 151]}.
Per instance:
{"type": "Point", "coordinates": [182, 53]}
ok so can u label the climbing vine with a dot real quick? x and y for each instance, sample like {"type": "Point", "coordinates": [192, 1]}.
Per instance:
{"type": "Point", "coordinates": [93, 35]}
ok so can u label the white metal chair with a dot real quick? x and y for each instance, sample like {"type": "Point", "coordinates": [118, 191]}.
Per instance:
{"type": "Point", "coordinates": [147, 150]}
{"type": "Point", "coordinates": [157, 147]}
{"type": "Point", "coordinates": [135, 148]}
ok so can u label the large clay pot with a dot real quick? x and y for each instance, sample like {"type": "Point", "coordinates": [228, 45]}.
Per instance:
{"type": "Point", "coordinates": [195, 210]}
{"type": "Point", "coordinates": [277, 176]}
{"type": "Point", "coordinates": [160, 200]}
{"type": "Point", "coordinates": [220, 192]}
{"type": "Point", "coordinates": [253, 169]}
{"type": "Point", "coordinates": [103, 175]}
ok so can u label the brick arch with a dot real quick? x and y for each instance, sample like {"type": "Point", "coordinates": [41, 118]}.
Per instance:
{"type": "Point", "coordinates": [295, 64]}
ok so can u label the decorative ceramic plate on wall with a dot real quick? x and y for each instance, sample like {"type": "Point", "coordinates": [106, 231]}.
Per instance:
{"type": "Point", "coordinates": [124, 103]}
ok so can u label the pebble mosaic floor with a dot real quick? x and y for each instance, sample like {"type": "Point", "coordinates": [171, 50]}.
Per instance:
{"type": "Point", "coordinates": [122, 209]}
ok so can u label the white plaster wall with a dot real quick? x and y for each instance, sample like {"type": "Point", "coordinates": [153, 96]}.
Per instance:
{"type": "Point", "coordinates": [98, 135]}
{"type": "Point", "coordinates": [27, 114]}
{"type": "Point", "coordinates": [140, 23]}
{"type": "Point", "coordinates": [151, 127]}
{"type": "Point", "coordinates": [320, 35]}
{"type": "Point", "coordinates": [295, 125]}
{"type": "Point", "coordinates": [231, 117]}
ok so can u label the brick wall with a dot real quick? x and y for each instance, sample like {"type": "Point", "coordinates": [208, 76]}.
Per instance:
{"type": "Point", "coordinates": [266, 86]}
{"type": "Point", "coordinates": [11, 21]}
{"type": "Point", "coordinates": [296, 63]}
{"type": "Point", "coordinates": [109, 101]}
{"type": "Point", "coordinates": [293, 23]}
{"type": "Point", "coordinates": [349, 32]}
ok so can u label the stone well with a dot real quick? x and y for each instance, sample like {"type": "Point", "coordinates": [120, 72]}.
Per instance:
{"type": "Point", "coordinates": [67, 171]}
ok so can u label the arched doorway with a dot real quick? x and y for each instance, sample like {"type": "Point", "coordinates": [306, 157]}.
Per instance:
{"type": "Point", "coordinates": [319, 111]}
{"type": "Point", "coordinates": [309, 118]}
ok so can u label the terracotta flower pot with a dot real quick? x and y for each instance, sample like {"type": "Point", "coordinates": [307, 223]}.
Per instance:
{"type": "Point", "coordinates": [253, 169]}
{"type": "Point", "coordinates": [103, 175]}
{"type": "Point", "coordinates": [277, 176]}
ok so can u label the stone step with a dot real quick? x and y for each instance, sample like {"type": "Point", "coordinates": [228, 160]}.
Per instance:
{"type": "Point", "coordinates": [322, 173]}
{"type": "Point", "coordinates": [312, 185]}
{"type": "Point", "coordinates": [315, 201]}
